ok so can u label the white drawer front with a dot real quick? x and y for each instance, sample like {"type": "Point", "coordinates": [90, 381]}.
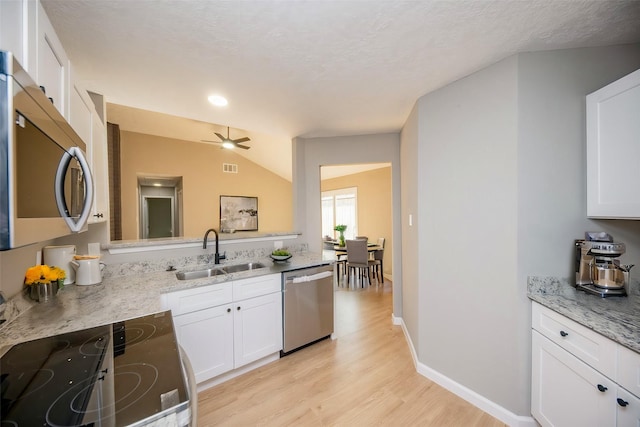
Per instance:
{"type": "Point", "coordinates": [594, 349]}
{"type": "Point", "coordinates": [256, 286]}
{"type": "Point", "coordinates": [191, 300]}
{"type": "Point", "coordinates": [629, 370]}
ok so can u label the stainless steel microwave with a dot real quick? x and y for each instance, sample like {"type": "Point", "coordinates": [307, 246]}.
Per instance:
{"type": "Point", "coordinates": [46, 188]}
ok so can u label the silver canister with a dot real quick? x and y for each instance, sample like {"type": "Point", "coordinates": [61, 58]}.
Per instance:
{"type": "Point", "coordinates": [43, 292]}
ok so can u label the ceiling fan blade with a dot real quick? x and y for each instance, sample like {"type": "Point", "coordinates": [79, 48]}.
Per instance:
{"type": "Point", "coordinates": [220, 136]}
{"type": "Point", "coordinates": [206, 140]}
{"type": "Point", "coordinates": [245, 139]}
{"type": "Point", "coordinates": [244, 147]}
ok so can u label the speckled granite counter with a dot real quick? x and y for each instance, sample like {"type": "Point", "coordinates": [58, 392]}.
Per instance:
{"type": "Point", "coordinates": [617, 318]}
{"type": "Point", "coordinates": [127, 291]}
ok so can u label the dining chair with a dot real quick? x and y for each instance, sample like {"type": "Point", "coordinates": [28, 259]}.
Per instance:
{"type": "Point", "coordinates": [358, 261]}
{"type": "Point", "coordinates": [375, 262]}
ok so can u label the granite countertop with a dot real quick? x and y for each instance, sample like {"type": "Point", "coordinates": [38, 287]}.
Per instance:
{"type": "Point", "coordinates": [617, 318]}
{"type": "Point", "coordinates": [123, 296]}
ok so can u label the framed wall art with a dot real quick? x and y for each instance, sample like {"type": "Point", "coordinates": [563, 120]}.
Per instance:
{"type": "Point", "coordinates": [238, 213]}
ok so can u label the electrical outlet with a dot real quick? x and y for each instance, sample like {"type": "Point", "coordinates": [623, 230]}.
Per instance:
{"type": "Point", "coordinates": [277, 244]}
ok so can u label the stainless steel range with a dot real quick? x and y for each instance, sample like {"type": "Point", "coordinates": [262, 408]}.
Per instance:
{"type": "Point", "coordinates": [124, 374]}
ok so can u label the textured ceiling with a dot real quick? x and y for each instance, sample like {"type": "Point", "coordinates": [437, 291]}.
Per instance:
{"type": "Point", "coordinates": [312, 68]}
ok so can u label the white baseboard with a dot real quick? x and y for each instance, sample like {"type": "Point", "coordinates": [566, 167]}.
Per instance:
{"type": "Point", "coordinates": [461, 391]}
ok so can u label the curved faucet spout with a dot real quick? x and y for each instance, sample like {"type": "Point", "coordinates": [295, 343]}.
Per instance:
{"type": "Point", "coordinates": [218, 257]}
{"type": "Point", "coordinates": [206, 236]}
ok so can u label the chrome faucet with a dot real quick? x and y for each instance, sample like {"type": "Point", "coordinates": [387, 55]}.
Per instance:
{"type": "Point", "coordinates": [217, 256]}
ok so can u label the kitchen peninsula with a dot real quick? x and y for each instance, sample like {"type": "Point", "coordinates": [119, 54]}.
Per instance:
{"type": "Point", "coordinates": [128, 290]}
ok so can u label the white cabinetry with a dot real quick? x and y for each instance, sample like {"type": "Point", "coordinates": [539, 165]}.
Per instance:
{"type": "Point", "coordinates": [18, 31]}
{"type": "Point", "coordinates": [228, 325]}
{"type": "Point", "coordinates": [613, 152]}
{"type": "Point", "coordinates": [87, 123]}
{"type": "Point", "coordinates": [257, 328]}
{"type": "Point", "coordinates": [578, 376]}
{"type": "Point", "coordinates": [207, 337]}
{"type": "Point", "coordinates": [53, 64]}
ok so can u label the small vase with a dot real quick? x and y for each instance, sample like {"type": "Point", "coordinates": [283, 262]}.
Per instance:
{"type": "Point", "coordinates": [43, 292]}
{"type": "Point", "coordinates": [341, 241]}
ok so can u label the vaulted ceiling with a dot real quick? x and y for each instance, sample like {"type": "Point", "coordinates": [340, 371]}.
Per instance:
{"type": "Point", "coordinates": [311, 68]}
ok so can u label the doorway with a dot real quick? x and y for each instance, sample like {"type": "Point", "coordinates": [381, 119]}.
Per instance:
{"type": "Point", "coordinates": [157, 217]}
{"type": "Point", "coordinates": [160, 207]}
{"type": "Point", "coordinates": [359, 196]}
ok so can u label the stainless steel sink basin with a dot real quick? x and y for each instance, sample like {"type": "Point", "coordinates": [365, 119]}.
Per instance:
{"type": "Point", "coordinates": [211, 272]}
{"type": "Point", "coordinates": [199, 274]}
{"type": "Point", "coordinates": [243, 267]}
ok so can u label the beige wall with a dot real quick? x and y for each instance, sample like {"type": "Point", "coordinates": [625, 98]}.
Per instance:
{"type": "Point", "coordinates": [374, 205]}
{"type": "Point", "coordinates": [200, 166]}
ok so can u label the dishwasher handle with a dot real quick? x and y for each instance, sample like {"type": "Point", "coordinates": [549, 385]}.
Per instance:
{"type": "Point", "coordinates": [311, 278]}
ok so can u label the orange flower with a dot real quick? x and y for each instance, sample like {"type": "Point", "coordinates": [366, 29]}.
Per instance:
{"type": "Point", "coordinates": [43, 274]}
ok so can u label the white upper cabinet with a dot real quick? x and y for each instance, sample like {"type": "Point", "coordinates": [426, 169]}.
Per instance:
{"type": "Point", "coordinates": [86, 121]}
{"type": "Point", "coordinates": [18, 31]}
{"type": "Point", "coordinates": [52, 69]}
{"type": "Point", "coordinates": [613, 150]}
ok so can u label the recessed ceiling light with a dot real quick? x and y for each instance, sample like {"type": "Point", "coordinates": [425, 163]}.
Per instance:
{"type": "Point", "coordinates": [218, 101]}
{"type": "Point", "coordinates": [157, 184]}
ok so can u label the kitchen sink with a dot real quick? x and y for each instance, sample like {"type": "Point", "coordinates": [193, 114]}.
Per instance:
{"type": "Point", "coordinates": [211, 272]}
{"type": "Point", "coordinates": [199, 274]}
{"type": "Point", "coordinates": [243, 267]}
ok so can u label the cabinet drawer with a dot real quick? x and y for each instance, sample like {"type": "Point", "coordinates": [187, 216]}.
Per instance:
{"type": "Point", "coordinates": [629, 370]}
{"type": "Point", "coordinates": [256, 286]}
{"type": "Point", "coordinates": [191, 300]}
{"type": "Point", "coordinates": [594, 349]}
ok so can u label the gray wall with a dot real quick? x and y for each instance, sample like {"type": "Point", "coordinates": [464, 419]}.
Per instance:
{"type": "Point", "coordinates": [410, 240]}
{"type": "Point", "coordinates": [467, 213]}
{"type": "Point", "coordinates": [309, 154]}
{"type": "Point", "coordinates": [502, 195]}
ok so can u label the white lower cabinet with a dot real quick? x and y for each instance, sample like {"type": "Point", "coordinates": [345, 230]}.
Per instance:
{"type": "Point", "coordinates": [219, 332]}
{"type": "Point", "coordinates": [207, 337]}
{"type": "Point", "coordinates": [628, 409]}
{"type": "Point", "coordinates": [579, 377]}
{"type": "Point", "coordinates": [566, 391]}
{"type": "Point", "coordinates": [257, 328]}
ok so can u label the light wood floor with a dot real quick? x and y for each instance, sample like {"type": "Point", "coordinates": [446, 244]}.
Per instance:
{"type": "Point", "coordinates": [365, 377]}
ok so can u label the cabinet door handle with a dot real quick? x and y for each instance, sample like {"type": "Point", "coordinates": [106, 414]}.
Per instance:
{"type": "Point", "coordinates": [602, 388]}
{"type": "Point", "coordinates": [622, 403]}
{"type": "Point", "coordinates": [228, 310]}
{"type": "Point", "coordinates": [563, 334]}
{"type": "Point", "coordinates": [238, 308]}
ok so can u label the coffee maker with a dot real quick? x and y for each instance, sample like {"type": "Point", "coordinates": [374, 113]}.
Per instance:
{"type": "Point", "coordinates": [597, 267]}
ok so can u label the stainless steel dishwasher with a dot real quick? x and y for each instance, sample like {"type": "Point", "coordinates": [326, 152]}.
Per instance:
{"type": "Point", "coordinates": [307, 306]}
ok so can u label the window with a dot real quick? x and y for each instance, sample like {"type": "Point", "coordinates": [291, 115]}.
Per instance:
{"type": "Point", "coordinates": [340, 207]}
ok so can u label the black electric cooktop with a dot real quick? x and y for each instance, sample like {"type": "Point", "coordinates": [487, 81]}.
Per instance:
{"type": "Point", "coordinates": [113, 375]}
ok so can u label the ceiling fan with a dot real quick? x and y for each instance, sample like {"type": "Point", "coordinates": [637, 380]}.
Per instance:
{"type": "Point", "coordinates": [230, 143]}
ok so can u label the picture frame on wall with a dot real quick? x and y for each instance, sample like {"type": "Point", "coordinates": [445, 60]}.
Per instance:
{"type": "Point", "coordinates": [238, 213]}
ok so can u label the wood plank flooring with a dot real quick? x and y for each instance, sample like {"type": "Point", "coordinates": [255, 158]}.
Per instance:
{"type": "Point", "coordinates": [363, 378]}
